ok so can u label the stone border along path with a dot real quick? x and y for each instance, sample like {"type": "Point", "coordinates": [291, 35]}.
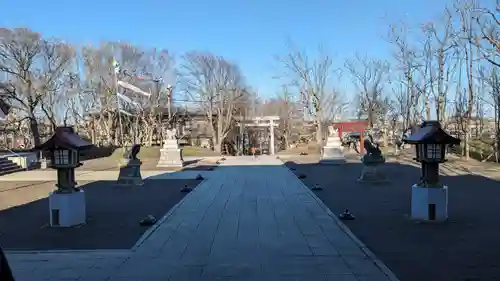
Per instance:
{"type": "Point", "coordinates": [251, 219]}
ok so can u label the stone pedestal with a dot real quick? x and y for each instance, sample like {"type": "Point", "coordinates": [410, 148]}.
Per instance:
{"type": "Point", "coordinates": [372, 173]}
{"type": "Point", "coordinates": [332, 153]}
{"type": "Point", "coordinates": [130, 173]}
{"type": "Point", "coordinates": [170, 155]}
{"type": "Point", "coordinates": [67, 209]}
{"type": "Point", "coordinates": [373, 166]}
{"type": "Point", "coordinates": [429, 203]}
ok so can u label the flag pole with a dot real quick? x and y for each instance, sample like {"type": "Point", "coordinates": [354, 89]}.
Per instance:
{"type": "Point", "coordinates": [115, 80]}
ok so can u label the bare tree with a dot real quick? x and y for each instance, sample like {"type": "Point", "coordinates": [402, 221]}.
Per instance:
{"type": "Point", "coordinates": [488, 39]}
{"type": "Point", "coordinates": [466, 12]}
{"type": "Point", "coordinates": [216, 85]}
{"type": "Point", "coordinates": [35, 72]}
{"type": "Point", "coordinates": [370, 77]}
{"type": "Point", "coordinates": [151, 71]}
{"type": "Point", "coordinates": [148, 70]}
{"type": "Point", "coordinates": [334, 105]}
{"type": "Point", "coordinates": [443, 52]}
{"type": "Point", "coordinates": [288, 109]}
{"type": "Point", "coordinates": [405, 84]}
{"type": "Point", "coordinates": [99, 91]}
{"type": "Point", "coordinates": [312, 79]}
{"type": "Point", "coordinates": [491, 80]}
{"type": "Point", "coordinates": [57, 59]}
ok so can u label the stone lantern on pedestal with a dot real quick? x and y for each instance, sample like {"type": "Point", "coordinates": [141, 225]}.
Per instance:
{"type": "Point", "coordinates": [67, 203]}
{"type": "Point", "coordinates": [429, 198]}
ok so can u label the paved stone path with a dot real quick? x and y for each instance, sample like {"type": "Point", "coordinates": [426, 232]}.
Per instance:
{"type": "Point", "coordinates": [251, 220]}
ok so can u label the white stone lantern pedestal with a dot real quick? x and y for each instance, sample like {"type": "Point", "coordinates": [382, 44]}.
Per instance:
{"type": "Point", "coordinates": [67, 209]}
{"type": "Point", "coordinates": [429, 203]}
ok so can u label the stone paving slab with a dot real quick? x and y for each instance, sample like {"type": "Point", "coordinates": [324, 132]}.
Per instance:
{"type": "Point", "coordinates": [251, 220]}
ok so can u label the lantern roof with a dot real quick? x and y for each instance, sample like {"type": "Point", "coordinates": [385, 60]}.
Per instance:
{"type": "Point", "coordinates": [65, 138]}
{"type": "Point", "coordinates": [430, 132]}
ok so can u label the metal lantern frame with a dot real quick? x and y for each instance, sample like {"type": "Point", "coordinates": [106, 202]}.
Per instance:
{"type": "Point", "coordinates": [62, 157]}
{"type": "Point", "coordinates": [430, 152]}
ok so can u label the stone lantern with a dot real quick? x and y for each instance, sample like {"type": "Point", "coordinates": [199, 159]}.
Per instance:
{"type": "Point", "coordinates": [429, 198]}
{"type": "Point", "coordinates": [67, 203]}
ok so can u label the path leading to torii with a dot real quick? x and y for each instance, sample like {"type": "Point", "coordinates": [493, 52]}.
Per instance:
{"type": "Point", "coordinates": [251, 220]}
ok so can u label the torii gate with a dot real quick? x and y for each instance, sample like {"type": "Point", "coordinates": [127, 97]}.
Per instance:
{"type": "Point", "coordinates": [264, 121]}
{"type": "Point", "coordinates": [358, 126]}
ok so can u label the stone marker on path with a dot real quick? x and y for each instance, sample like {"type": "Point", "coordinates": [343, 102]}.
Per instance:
{"type": "Point", "coordinates": [186, 189]}
{"type": "Point", "coordinates": [149, 220]}
{"type": "Point", "coordinates": [346, 215]}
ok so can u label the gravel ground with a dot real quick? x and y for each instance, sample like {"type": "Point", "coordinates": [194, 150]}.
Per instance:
{"type": "Point", "coordinates": [113, 215]}
{"type": "Point", "coordinates": [464, 248]}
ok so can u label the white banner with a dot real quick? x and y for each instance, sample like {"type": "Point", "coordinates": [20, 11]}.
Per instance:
{"type": "Point", "coordinates": [125, 112]}
{"type": "Point", "coordinates": [127, 99]}
{"type": "Point", "coordinates": [133, 88]}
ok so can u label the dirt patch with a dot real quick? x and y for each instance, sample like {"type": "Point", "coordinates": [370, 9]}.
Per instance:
{"type": "Point", "coordinates": [464, 248]}
{"type": "Point", "coordinates": [17, 193]}
{"type": "Point", "coordinates": [113, 215]}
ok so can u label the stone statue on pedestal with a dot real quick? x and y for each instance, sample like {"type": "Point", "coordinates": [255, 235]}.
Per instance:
{"type": "Point", "coordinates": [373, 152]}
{"type": "Point", "coordinates": [331, 131]}
{"type": "Point", "coordinates": [372, 160]}
{"type": "Point", "coordinates": [132, 153]}
{"type": "Point", "coordinates": [130, 172]}
{"type": "Point", "coordinates": [170, 154]}
{"type": "Point", "coordinates": [332, 152]}
{"type": "Point", "coordinates": [172, 134]}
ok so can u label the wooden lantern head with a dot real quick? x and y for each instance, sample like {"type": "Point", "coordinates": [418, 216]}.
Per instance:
{"type": "Point", "coordinates": [430, 142]}
{"type": "Point", "coordinates": [65, 147]}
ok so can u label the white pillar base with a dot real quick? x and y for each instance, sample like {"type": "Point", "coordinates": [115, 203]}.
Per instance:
{"type": "Point", "coordinates": [67, 209]}
{"type": "Point", "coordinates": [429, 204]}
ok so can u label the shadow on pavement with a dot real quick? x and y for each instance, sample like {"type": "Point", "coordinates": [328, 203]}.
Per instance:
{"type": "Point", "coordinates": [148, 164]}
{"type": "Point", "coordinates": [464, 248]}
{"type": "Point", "coordinates": [113, 215]}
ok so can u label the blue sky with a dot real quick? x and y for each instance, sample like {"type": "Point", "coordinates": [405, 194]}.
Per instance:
{"type": "Point", "coordinates": [247, 32]}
